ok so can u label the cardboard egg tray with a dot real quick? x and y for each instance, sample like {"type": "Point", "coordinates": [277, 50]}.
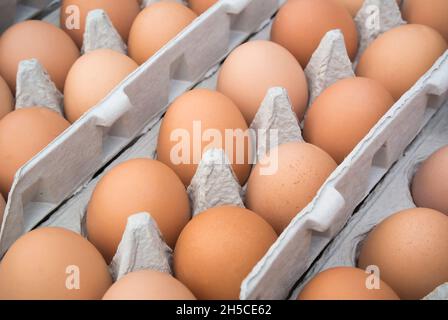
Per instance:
{"type": "Point", "coordinates": [130, 110]}
{"type": "Point", "coordinates": [309, 233]}
{"type": "Point", "coordinates": [392, 195]}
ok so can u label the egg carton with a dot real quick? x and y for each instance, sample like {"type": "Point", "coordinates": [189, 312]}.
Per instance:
{"type": "Point", "coordinates": [310, 232]}
{"type": "Point", "coordinates": [68, 163]}
{"type": "Point", "coordinates": [392, 195]}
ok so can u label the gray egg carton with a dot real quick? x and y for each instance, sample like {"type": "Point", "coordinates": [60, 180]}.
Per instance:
{"type": "Point", "coordinates": [130, 110]}
{"type": "Point", "coordinates": [392, 195]}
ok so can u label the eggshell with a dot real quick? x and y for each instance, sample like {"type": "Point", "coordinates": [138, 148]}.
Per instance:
{"type": "Point", "coordinates": [155, 26]}
{"type": "Point", "coordinates": [218, 249]}
{"type": "Point", "coordinates": [345, 283]}
{"type": "Point", "coordinates": [298, 172]}
{"type": "Point", "coordinates": [344, 113]}
{"type": "Point", "coordinates": [430, 183]}
{"type": "Point", "coordinates": [200, 6]}
{"type": "Point", "coordinates": [400, 56]}
{"type": "Point", "coordinates": [53, 264]}
{"type": "Point", "coordinates": [353, 6]}
{"type": "Point", "coordinates": [42, 41]}
{"type": "Point", "coordinates": [432, 13]}
{"type": "Point", "coordinates": [300, 25]}
{"type": "Point", "coordinates": [122, 14]}
{"type": "Point", "coordinates": [148, 285]}
{"type": "Point", "coordinates": [411, 250]}
{"type": "Point", "coordinates": [92, 78]}
{"type": "Point", "coordinates": [255, 67]}
{"type": "Point", "coordinates": [6, 99]}
{"type": "Point", "coordinates": [23, 134]}
{"type": "Point", "coordinates": [197, 121]}
{"type": "Point", "coordinates": [139, 185]}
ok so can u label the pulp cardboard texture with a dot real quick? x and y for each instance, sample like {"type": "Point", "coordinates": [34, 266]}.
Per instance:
{"type": "Point", "coordinates": [132, 108]}
{"type": "Point", "coordinates": [390, 196]}
{"type": "Point", "coordinates": [308, 234]}
{"type": "Point", "coordinates": [18, 10]}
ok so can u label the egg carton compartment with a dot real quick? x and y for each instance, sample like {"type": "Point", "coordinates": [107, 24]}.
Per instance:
{"type": "Point", "coordinates": [389, 197]}
{"type": "Point", "coordinates": [68, 163]}
{"type": "Point", "coordinates": [310, 232]}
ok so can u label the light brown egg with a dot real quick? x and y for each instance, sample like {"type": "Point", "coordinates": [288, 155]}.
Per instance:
{"type": "Point", "coordinates": [148, 285]}
{"type": "Point", "coordinates": [353, 6]}
{"type": "Point", "coordinates": [430, 183]}
{"type": "Point", "coordinates": [199, 120]}
{"type": "Point", "coordinates": [344, 113]}
{"type": "Point", "coordinates": [53, 264]}
{"type": "Point", "coordinates": [399, 57]}
{"type": "Point", "coordinates": [23, 134]}
{"type": "Point", "coordinates": [39, 40]}
{"type": "Point", "coordinates": [411, 250]}
{"type": "Point", "coordinates": [121, 13]}
{"type": "Point", "coordinates": [218, 249]}
{"type": "Point", "coordinates": [431, 13]}
{"type": "Point", "coordinates": [200, 6]}
{"type": "Point", "coordinates": [92, 78]}
{"type": "Point", "coordinates": [300, 25]}
{"type": "Point", "coordinates": [155, 26]}
{"type": "Point", "coordinates": [135, 186]}
{"type": "Point", "coordinates": [345, 283]}
{"type": "Point", "coordinates": [255, 67]}
{"type": "Point", "coordinates": [6, 99]}
{"type": "Point", "coordinates": [286, 181]}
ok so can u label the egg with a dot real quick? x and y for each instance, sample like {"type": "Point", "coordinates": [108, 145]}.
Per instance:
{"type": "Point", "coordinates": [300, 25]}
{"type": "Point", "coordinates": [2, 210]}
{"type": "Point", "coordinates": [39, 40]}
{"type": "Point", "coordinates": [344, 113]}
{"type": "Point", "coordinates": [286, 181]}
{"type": "Point", "coordinates": [410, 248]}
{"type": "Point", "coordinates": [217, 250]}
{"type": "Point", "coordinates": [430, 183]}
{"type": "Point", "coordinates": [200, 6]}
{"type": "Point", "coordinates": [23, 134]}
{"type": "Point", "coordinates": [155, 26]}
{"type": "Point", "coordinates": [74, 15]}
{"type": "Point", "coordinates": [431, 13]}
{"type": "Point", "coordinates": [200, 120]}
{"type": "Point", "coordinates": [400, 56]}
{"type": "Point", "coordinates": [353, 6]}
{"type": "Point", "coordinates": [345, 283]}
{"type": "Point", "coordinates": [255, 67]}
{"type": "Point", "coordinates": [148, 285]}
{"type": "Point", "coordinates": [6, 99]}
{"type": "Point", "coordinates": [92, 78]}
{"type": "Point", "coordinates": [135, 186]}
{"type": "Point", "coordinates": [53, 264]}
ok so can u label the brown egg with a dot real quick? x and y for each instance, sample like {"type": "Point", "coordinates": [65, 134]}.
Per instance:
{"type": "Point", "coordinates": [286, 181]}
{"type": "Point", "coordinates": [431, 13]}
{"type": "Point", "coordinates": [353, 6]}
{"type": "Point", "coordinates": [148, 285]}
{"type": "Point", "coordinates": [200, 120]}
{"type": "Point", "coordinates": [411, 250]}
{"type": "Point", "coordinates": [6, 99]}
{"type": "Point", "coordinates": [255, 67]}
{"type": "Point", "coordinates": [218, 249]}
{"type": "Point", "coordinates": [2, 210]}
{"type": "Point", "coordinates": [53, 264]}
{"type": "Point", "coordinates": [344, 113]}
{"type": "Point", "coordinates": [92, 78]}
{"type": "Point", "coordinates": [200, 6]}
{"type": "Point", "coordinates": [155, 26]}
{"type": "Point", "coordinates": [430, 183]}
{"type": "Point", "coordinates": [39, 40]}
{"type": "Point", "coordinates": [345, 283]}
{"type": "Point", "coordinates": [399, 57]}
{"type": "Point", "coordinates": [23, 134]}
{"type": "Point", "coordinates": [139, 185]}
{"type": "Point", "coordinates": [300, 25]}
{"type": "Point", "coordinates": [121, 13]}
